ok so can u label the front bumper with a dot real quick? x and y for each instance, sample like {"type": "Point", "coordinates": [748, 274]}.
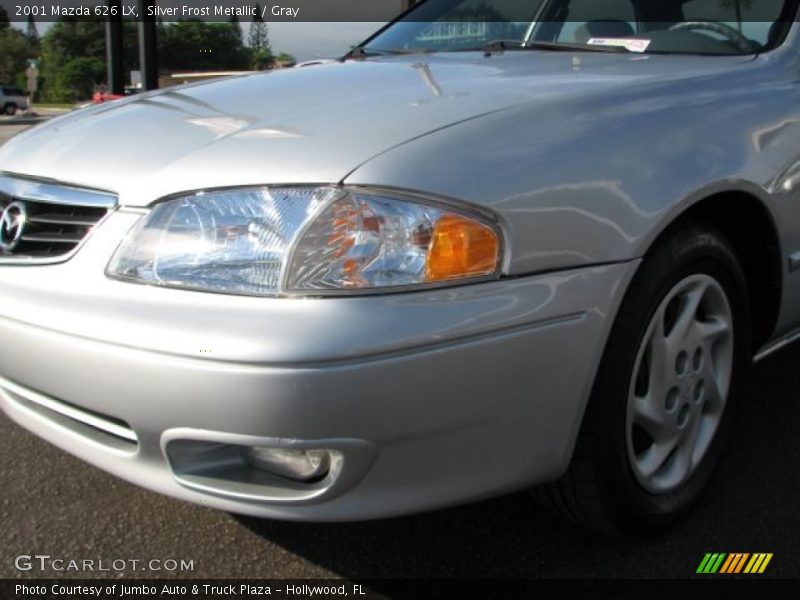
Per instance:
{"type": "Point", "coordinates": [430, 398]}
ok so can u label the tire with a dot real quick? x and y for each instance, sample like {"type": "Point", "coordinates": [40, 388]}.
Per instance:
{"type": "Point", "coordinates": [10, 109]}
{"type": "Point", "coordinates": [609, 486]}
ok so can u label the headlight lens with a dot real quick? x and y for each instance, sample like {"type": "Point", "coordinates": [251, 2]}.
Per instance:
{"type": "Point", "coordinates": [366, 241]}
{"type": "Point", "coordinates": [269, 241]}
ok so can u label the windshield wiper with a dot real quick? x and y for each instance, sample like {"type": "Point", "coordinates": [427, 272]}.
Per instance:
{"type": "Point", "coordinates": [502, 45]}
{"type": "Point", "coordinates": [489, 47]}
{"type": "Point", "coordinates": [362, 52]}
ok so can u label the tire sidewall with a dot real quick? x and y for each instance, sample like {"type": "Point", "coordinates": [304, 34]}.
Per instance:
{"type": "Point", "coordinates": [695, 250]}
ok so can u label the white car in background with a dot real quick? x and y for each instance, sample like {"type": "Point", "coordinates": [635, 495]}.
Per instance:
{"type": "Point", "coordinates": [12, 99]}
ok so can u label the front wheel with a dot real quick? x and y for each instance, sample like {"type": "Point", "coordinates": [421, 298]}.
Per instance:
{"type": "Point", "coordinates": [666, 392]}
{"type": "Point", "coordinates": [10, 109]}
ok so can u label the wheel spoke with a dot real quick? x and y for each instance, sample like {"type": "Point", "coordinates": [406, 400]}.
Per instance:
{"type": "Point", "coordinates": [687, 316]}
{"type": "Point", "coordinates": [651, 417]}
{"type": "Point", "coordinates": [682, 465]}
{"type": "Point", "coordinates": [655, 456]}
{"type": "Point", "coordinates": [711, 331]}
{"type": "Point", "coordinates": [659, 359]}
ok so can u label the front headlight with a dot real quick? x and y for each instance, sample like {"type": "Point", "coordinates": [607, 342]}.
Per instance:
{"type": "Point", "coordinates": [272, 241]}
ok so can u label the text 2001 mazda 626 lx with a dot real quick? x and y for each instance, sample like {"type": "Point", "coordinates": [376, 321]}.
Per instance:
{"type": "Point", "coordinates": [501, 245]}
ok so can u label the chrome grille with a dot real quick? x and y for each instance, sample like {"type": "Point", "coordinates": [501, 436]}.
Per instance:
{"type": "Point", "coordinates": [46, 222]}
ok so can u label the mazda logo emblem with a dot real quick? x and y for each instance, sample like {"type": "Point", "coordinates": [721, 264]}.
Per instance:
{"type": "Point", "coordinates": [12, 223]}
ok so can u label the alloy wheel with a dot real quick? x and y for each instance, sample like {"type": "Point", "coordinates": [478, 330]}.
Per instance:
{"type": "Point", "coordinates": [680, 384]}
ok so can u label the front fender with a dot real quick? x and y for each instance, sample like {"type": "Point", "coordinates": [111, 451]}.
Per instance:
{"type": "Point", "coordinates": [597, 178]}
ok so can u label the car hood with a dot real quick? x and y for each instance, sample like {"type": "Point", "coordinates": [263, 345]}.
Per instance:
{"type": "Point", "coordinates": [308, 125]}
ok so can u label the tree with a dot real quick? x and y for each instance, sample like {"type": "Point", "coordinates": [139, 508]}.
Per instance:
{"type": "Point", "coordinates": [259, 34]}
{"type": "Point", "coordinates": [261, 60]}
{"type": "Point", "coordinates": [237, 28]}
{"type": "Point", "coordinates": [285, 60]}
{"type": "Point", "coordinates": [67, 41]}
{"type": "Point", "coordinates": [15, 50]}
{"type": "Point", "coordinates": [73, 57]}
{"type": "Point", "coordinates": [4, 21]}
{"type": "Point", "coordinates": [198, 45]}
{"type": "Point", "coordinates": [78, 78]}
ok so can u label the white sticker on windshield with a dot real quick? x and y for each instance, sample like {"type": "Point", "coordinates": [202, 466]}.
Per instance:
{"type": "Point", "coordinates": [629, 45]}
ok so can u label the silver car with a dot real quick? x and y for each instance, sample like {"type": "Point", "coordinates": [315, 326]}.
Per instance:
{"type": "Point", "coordinates": [500, 245]}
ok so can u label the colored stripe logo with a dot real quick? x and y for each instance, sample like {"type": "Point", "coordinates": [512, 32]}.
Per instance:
{"type": "Point", "coordinates": [734, 563]}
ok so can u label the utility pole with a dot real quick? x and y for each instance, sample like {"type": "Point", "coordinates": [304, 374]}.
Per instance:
{"type": "Point", "coordinates": [115, 67]}
{"type": "Point", "coordinates": [32, 73]}
{"type": "Point", "coordinates": [148, 45]}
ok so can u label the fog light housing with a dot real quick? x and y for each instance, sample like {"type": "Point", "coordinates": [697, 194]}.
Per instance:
{"type": "Point", "coordinates": [298, 465]}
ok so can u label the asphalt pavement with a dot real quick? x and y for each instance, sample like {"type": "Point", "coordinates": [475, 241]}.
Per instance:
{"type": "Point", "coordinates": [53, 504]}
{"type": "Point", "coordinates": [10, 127]}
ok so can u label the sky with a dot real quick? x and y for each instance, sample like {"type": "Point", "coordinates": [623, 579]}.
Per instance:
{"type": "Point", "coordinates": [318, 40]}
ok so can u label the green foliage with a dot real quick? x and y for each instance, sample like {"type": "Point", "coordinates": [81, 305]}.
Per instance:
{"type": "Point", "coordinates": [73, 58]}
{"type": "Point", "coordinates": [77, 79]}
{"type": "Point", "coordinates": [15, 50]}
{"type": "Point", "coordinates": [73, 38]}
{"type": "Point", "coordinates": [259, 34]}
{"type": "Point", "coordinates": [261, 60]}
{"type": "Point", "coordinates": [237, 29]}
{"type": "Point", "coordinates": [67, 42]}
{"type": "Point", "coordinates": [197, 45]}
{"type": "Point", "coordinates": [285, 58]}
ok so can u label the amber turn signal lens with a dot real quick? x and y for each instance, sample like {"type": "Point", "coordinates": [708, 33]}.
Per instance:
{"type": "Point", "coordinates": [461, 248]}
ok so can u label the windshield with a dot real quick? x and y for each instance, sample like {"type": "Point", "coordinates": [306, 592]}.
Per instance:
{"type": "Point", "coordinates": [719, 27]}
